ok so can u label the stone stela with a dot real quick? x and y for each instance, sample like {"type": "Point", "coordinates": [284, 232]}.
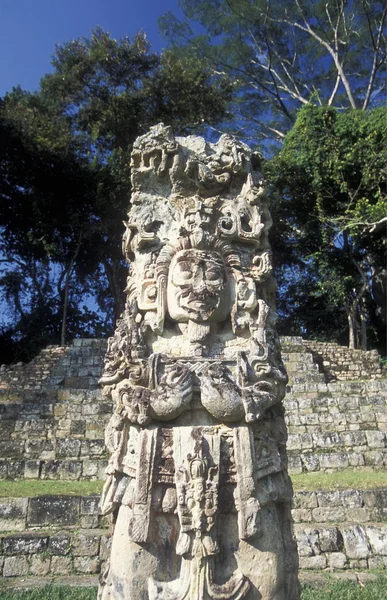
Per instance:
{"type": "Point", "coordinates": [197, 480]}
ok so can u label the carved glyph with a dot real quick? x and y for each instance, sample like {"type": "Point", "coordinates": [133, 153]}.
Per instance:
{"type": "Point", "coordinates": [197, 481]}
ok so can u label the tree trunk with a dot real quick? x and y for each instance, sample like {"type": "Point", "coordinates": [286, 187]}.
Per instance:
{"type": "Point", "coordinates": [352, 329]}
{"type": "Point", "coordinates": [363, 326]}
{"type": "Point", "coordinates": [112, 272]}
{"type": "Point", "coordinates": [66, 292]}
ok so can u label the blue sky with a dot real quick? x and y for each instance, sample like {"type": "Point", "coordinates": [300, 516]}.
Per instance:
{"type": "Point", "coordinates": [29, 30]}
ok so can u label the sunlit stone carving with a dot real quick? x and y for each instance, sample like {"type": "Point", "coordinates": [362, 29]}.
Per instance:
{"type": "Point", "coordinates": [197, 480]}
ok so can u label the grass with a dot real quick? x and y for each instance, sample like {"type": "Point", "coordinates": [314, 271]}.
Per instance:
{"type": "Point", "coordinates": [357, 480]}
{"type": "Point", "coordinates": [341, 480]}
{"type": "Point", "coordinates": [37, 487]}
{"type": "Point", "coordinates": [51, 592]}
{"type": "Point", "coordinates": [347, 590]}
{"type": "Point", "coordinates": [333, 590]}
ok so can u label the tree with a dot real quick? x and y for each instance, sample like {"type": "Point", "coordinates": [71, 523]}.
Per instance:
{"type": "Point", "coordinates": [329, 183]}
{"type": "Point", "coordinates": [282, 55]}
{"type": "Point", "coordinates": [46, 200]}
{"type": "Point", "coordinates": [65, 178]}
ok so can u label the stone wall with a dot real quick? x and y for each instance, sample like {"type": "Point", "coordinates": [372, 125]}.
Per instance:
{"type": "Point", "coordinates": [53, 415]}
{"type": "Point", "coordinates": [332, 426]}
{"type": "Point", "coordinates": [59, 535]}
{"type": "Point", "coordinates": [339, 362]}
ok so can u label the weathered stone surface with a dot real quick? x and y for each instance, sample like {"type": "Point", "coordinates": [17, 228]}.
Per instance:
{"type": "Point", "coordinates": [195, 372]}
{"type": "Point", "coordinates": [16, 566]}
{"type": "Point", "coordinates": [378, 540]}
{"type": "Point", "coordinates": [59, 544]}
{"type": "Point", "coordinates": [44, 510]}
{"type": "Point", "coordinates": [61, 565]}
{"type": "Point", "coordinates": [355, 542]}
{"type": "Point", "coordinates": [330, 540]}
{"type": "Point", "coordinates": [40, 565]}
{"type": "Point", "coordinates": [13, 514]}
{"type": "Point", "coordinates": [26, 544]}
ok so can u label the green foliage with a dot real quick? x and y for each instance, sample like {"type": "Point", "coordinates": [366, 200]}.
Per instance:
{"type": "Point", "coordinates": [65, 180]}
{"type": "Point", "coordinates": [281, 55]}
{"type": "Point", "coordinates": [328, 186]}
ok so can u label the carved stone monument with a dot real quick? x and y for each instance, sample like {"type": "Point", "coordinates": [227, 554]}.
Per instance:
{"type": "Point", "coordinates": [197, 480]}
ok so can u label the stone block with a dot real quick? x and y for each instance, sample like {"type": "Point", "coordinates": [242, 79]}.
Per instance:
{"type": "Point", "coordinates": [327, 499]}
{"type": "Point", "coordinates": [16, 469]}
{"type": "Point", "coordinates": [294, 464]}
{"type": "Point", "coordinates": [360, 564]}
{"type": "Point", "coordinates": [89, 505]}
{"type": "Point", "coordinates": [323, 515]}
{"type": "Point", "coordinates": [85, 564]}
{"type": "Point", "coordinates": [68, 448]}
{"type": "Point", "coordinates": [305, 500]}
{"type": "Point", "coordinates": [40, 565]}
{"type": "Point", "coordinates": [376, 439]}
{"type": "Point", "coordinates": [77, 427]}
{"type": "Point", "coordinates": [61, 565]}
{"type": "Point", "coordinates": [355, 542]}
{"type": "Point", "coordinates": [377, 536]}
{"type": "Point", "coordinates": [59, 544]}
{"type": "Point", "coordinates": [352, 498]}
{"type": "Point", "coordinates": [53, 510]}
{"type": "Point", "coordinates": [301, 515]}
{"type": "Point", "coordinates": [356, 459]}
{"type": "Point", "coordinates": [358, 515]}
{"type": "Point", "coordinates": [32, 469]}
{"type": "Point", "coordinates": [24, 544]}
{"type": "Point", "coordinates": [377, 563]}
{"type": "Point", "coordinates": [85, 544]}
{"type": "Point", "coordinates": [13, 514]}
{"type": "Point", "coordinates": [311, 462]}
{"type": "Point", "coordinates": [16, 566]}
{"type": "Point", "coordinates": [105, 547]}
{"type": "Point", "coordinates": [334, 461]}
{"type": "Point", "coordinates": [337, 560]}
{"type": "Point", "coordinates": [375, 459]}
{"type": "Point", "coordinates": [326, 439]}
{"type": "Point", "coordinates": [330, 540]}
{"type": "Point", "coordinates": [316, 563]}
{"type": "Point", "coordinates": [89, 522]}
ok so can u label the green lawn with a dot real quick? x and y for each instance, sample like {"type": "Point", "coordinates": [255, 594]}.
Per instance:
{"type": "Point", "coordinates": [347, 590]}
{"type": "Point", "coordinates": [335, 590]}
{"type": "Point", "coordinates": [36, 487]}
{"type": "Point", "coordinates": [358, 480]}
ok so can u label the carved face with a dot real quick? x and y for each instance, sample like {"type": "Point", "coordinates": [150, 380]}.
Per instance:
{"type": "Point", "coordinates": [198, 287]}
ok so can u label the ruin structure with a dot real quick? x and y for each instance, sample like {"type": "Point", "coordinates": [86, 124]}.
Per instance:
{"type": "Point", "coordinates": [197, 479]}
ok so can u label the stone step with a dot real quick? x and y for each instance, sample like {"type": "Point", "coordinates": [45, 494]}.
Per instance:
{"type": "Point", "coordinates": [308, 377]}
{"type": "Point", "coordinates": [307, 368]}
{"type": "Point", "coordinates": [337, 459]}
{"type": "Point", "coordinates": [303, 357]}
{"type": "Point", "coordinates": [52, 553]}
{"type": "Point", "coordinates": [76, 469]}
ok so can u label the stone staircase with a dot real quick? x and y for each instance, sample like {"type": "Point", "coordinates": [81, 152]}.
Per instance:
{"type": "Point", "coordinates": [54, 429]}
{"type": "Point", "coordinates": [335, 425]}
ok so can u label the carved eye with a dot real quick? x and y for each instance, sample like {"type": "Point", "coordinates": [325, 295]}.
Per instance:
{"type": "Point", "coordinates": [214, 276]}
{"type": "Point", "coordinates": [182, 274]}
